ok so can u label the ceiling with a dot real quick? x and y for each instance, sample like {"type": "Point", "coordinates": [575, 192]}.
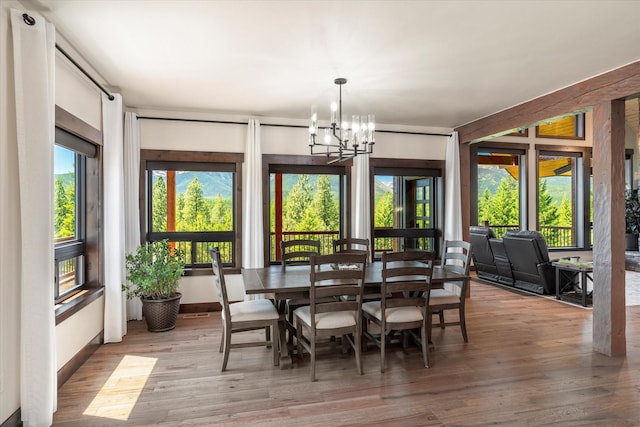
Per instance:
{"type": "Point", "coordinates": [412, 63]}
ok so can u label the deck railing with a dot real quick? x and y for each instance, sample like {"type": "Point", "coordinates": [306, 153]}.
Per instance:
{"type": "Point", "coordinates": [556, 236]}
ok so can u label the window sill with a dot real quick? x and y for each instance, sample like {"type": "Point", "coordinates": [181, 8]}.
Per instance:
{"type": "Point", "coordinates": [77, 302]}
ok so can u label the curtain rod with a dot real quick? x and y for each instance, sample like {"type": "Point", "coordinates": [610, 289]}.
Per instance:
{"type": "Point", "coordinates": [227, 122]}
{"type": "Point", "coordinates": [62, 51]}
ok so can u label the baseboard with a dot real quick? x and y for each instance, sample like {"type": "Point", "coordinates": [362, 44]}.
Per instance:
{"type": "Point", "coordinates": [200, 307]}
{"type": "Point", "coordinates": [82, 356]}
{"type": "Point", "coordinates": [15, 420]}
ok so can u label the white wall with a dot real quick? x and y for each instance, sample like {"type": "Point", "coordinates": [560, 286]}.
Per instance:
{"type": "Point", "coordinates": [197, 136]}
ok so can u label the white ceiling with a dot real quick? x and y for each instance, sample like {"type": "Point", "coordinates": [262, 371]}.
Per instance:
{"type": "Point", "coordinates": [421, 63]}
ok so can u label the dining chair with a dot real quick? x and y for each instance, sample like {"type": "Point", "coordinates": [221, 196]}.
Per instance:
{"type": "Point", "coordinates": [351, 245]}
{"type": "Point", "coordinates": [243, 316]}
{"type": "Point", "coordinates": [296, 252]}
{"type": "Point", "coordinates": [456, 256]}
{"type": "Point", "coordinates": [403, 306]}
{"type": "Point", "coordinates": [327, 315]}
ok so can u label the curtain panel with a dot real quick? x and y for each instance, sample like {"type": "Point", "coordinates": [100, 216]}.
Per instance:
{"type": "Point", "coordinates": [34, 83]}
{"type": "Point", "coordinates": [452, 204]}
{"type": "Point", "coordinates": [131, 192]}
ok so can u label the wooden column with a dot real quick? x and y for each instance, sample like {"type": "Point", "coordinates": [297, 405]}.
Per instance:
{"type": "Point", "coordinates": [608, 223]}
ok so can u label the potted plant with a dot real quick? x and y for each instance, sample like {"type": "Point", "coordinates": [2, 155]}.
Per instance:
{"type": "Point", "coordinates": [632, 218]}
{"type": "Point", "coordinates": [154, 272]}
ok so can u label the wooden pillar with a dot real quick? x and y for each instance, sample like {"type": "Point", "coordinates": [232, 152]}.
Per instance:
{"type": "Point", "coordinates": [608, 222]}
{"type": "Point", "coordinates": [171, 200]}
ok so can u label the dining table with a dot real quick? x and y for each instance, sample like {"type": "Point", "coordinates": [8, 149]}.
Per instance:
{"type": "Point", "coordinates": [295, 282]}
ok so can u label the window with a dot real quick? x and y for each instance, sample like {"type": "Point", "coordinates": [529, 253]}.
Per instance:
{"type": "Point", "coordinates": [70, 159]}
{"type": "Point", "coordinates": [306, 202]}
{"type": "Point", "coordinates": [500, 181]}
{"type": "Point", "coordinates": [569, 127]}
{"type": "Point", "coordinates": [564, 198]}
{"type": "Point", "coordinates": [406, 206]}
{"type": "Point", "coordinates": [194, 204]}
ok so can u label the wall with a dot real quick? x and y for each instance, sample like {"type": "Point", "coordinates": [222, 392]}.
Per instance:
{"type": "Point", "coordinates": [196, 136]}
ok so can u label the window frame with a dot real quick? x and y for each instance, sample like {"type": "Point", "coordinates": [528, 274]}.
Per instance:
{"type": "Point", "coordinates": [295, 164]}
{"type": "Point", "coordinates": [399, 167]}
{"type": "Point", "coordinates": [92, 288]}
{"type": "Point", "coordinates": [579, 128]}
{"type": "Point", "coordinates": [519, 149]}
{"type": "Point", "coordinates": [581, 202]}
{"type": "Point", "coordinates": [199, 161]}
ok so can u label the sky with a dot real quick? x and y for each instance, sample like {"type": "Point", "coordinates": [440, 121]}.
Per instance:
{"type": "Point", "coordinates": [63, 160]}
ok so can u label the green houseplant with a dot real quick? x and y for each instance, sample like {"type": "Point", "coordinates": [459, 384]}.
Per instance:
{"type": "Point", "coordinates": [632, 218]}
{"type": "Point", "coordinates": [154, 271]}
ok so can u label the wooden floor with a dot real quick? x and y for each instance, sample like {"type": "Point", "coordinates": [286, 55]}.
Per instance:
{"type": "Point", "coordinates": [529, 362]}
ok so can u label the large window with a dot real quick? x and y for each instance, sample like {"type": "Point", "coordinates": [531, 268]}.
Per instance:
{"type": "Point", "coordinates": [194, 204]}
{"type": "Point", "coordinates": [70, 158]}
{"type": "Point", "coordinates": [500, 181]}
{"type": "Point", "coordinates": [406, 207]}
{"type": "Point", "coordinates": [564, 197]}
{"type": "Point", "coordinates": [569, 127]}
{"type": "Point", "coordinates": [306, 202]}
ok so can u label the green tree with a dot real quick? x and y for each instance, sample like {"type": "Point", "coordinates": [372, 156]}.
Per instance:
{"type": "Point", "coordinates": [383, 215]}
{"type": "Point", "coordinates": [505, 204]}
{"type": "Point", "coordinates": [193, 212]}
{"type": "Point", "coordinates": [322, 214]}
{"type": "Point", "coordinates": [296, 203]}
{"type": "Point", "coordinates": [547, 209]}
{"type": "Point", "coordinates": [180, 222]}
{"type": "Point", "coordinates": [159, 207]}
{"type": "Point", "coordinates": [485, 207]}
{"type": "Point", "coordinates": [64, 209]}
{"type": "Point", "coordinates": [221, 214]}
{"type": "Point", "coordinates": [565, 214]}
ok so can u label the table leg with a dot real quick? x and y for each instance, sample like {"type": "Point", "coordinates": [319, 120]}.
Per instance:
{"type": "Point", "coordinates": [583, 282]}
{"type": "Point", "coordinates": [285, 356]}
{"type": "Point", "coordinates": [557, 283]}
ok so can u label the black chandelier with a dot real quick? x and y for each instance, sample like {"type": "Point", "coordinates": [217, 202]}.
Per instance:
{"type": "Point", "coordinates": [344, 140]}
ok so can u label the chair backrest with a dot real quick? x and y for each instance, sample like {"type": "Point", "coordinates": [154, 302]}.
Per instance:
{"type": "Point", "coordinates": [298, 251]}
{"type": "Point", "coordinates": [335, 276]}
{"type": "Point", "coordinates": [351, 245]}
{"type": "Point", "coordinates": [482, 253]}
{"type": "Point", "coordinates": [456, 256]}
{"type": "Point", "coordinates": [406, 279]}
{"type": "Point", "coordinates": [218, 279]}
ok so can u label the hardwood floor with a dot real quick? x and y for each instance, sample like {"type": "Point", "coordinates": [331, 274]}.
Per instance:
{"type": "Point", "coordinates": [528, 363]}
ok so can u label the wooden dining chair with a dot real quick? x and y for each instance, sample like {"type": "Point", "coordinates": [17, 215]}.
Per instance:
{"type": "Point", "coordinates": [243, 316]}
{"type": "Point", "coordinates": [296, 252]}
{"type": "Point", "coordinates": [327, 315]}
{"type": "Point", "coordinates": [456, 256]}
{"type": "Point", "coordinates": [352, 245]}
{"type": "Point", "coordinates": [405, 291]}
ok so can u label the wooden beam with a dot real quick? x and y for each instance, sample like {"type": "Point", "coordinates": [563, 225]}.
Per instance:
{"type": "Point", "coordinates": [617, 84]}
{"type": "Point", "coordinates": [609, 227]}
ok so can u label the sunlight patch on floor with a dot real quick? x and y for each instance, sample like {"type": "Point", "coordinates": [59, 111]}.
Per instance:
{"type": "Point", "coordinates": [119, 395]}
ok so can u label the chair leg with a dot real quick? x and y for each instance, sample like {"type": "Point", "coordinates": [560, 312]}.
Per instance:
{"type": "Point", "coordinates": [425, 345]}
{"type": "Point", "coordinates": [383, 358]}
{"type": "Point", "coordinates": [463, 324]}
{"type": "Point", "coordinates": [441, 318]}
{"type": "Point", "coordinates": [227, 347]}
{"type": "Point", "coordinates": [358, 348]}
{"type": "Point", "coordinates": [224, 333]}
{"type": "Point", "coordinates": [274, 343]}
{"type": "Point", "coordinates": [313, 357]}
{"type": "Point", "coordinates": [299, 339]}
{"type": "Point", "coordinates": [267, 336]}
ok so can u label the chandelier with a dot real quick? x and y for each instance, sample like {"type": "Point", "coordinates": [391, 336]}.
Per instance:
{"type": "Point", "coordinates": [343, 139]}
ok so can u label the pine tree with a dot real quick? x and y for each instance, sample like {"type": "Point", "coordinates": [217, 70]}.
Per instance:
{"type": "Point", "coordinates": [193, 210]}
{"type": "Point", "coordinates": [64, 212]}
{"type": "Point", "coordinates": [159, 207]}
{"type": "Point", "coordinates": [505, 204]}
{"type": "Point", "coordinates": [323, 213]}
{"type": "Point", "coordinates": [383, 215]}
{"type": "Point", "coordinates": [296, 203]}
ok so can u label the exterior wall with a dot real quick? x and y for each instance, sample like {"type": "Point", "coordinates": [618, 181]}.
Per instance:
{"type": "Point", "coordinates": [197, 136]}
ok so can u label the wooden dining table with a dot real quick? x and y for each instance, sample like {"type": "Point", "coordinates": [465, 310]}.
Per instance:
{"type": "Point", "coordinates": [295, 282]}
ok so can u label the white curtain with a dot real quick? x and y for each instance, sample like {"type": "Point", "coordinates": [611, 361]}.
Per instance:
{"type": "Point", "coordinates": [252, 226]}
{"type": "Point", "coordinates": [361, 207]}
{"type": "Point", "coordinates": [131, 191]}
{"type": "Point", "coordinates": [452, 208]}
{"type": "Point", "coordinates": [34, 65]}
{"type": "Point", "coordinates": [115, 322]}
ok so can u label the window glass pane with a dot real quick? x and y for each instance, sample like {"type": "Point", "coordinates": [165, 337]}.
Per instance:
{"type": "Point", "coordinates": [69, 273]}
{"type": "Point", "coordinates": [556, 199]}
{"type": "Point", "coordinates": [304, 206]}
{"type": "Point", "coordinates": [401, 205]}
{"type": "Point", "coordinates": [191, 201]}
{"type": "Point", "coordinates": [564, 127]}
{"type": "Point", "coordinates": [64, 193]}
{"type": "Point", "coordinates": [499, 191]}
